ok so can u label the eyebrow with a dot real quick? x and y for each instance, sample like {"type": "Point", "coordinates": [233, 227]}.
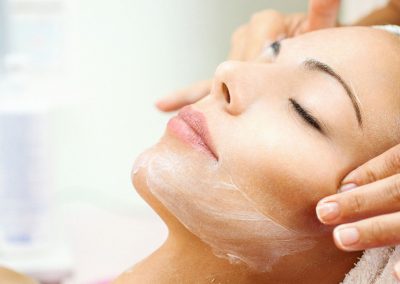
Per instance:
{"type": "Point", "coordinates": [313, 64]}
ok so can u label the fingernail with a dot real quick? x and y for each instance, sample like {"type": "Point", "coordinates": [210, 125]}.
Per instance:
{"type": "Point", "coordinates": [350, 177]}
{"type": "Point", "coordinates": [397, 271]}
{"type": "Point", "coordinates": [327, 211]}
{"type": "Point", "coordinates": [346, 187]}
{"type": "Point", "coordinates": [347, 236]}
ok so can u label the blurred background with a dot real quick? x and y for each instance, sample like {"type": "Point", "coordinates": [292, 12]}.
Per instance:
{"type": "Point", "coordinates": [78, 82]}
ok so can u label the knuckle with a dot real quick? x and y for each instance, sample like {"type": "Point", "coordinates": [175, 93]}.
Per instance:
{"type": "Point", "coordinates": [238, 34]}
{"type": "Point", "coordinates": [370, 173]}
{"type": "Point", "coordinates": [357, 203]}
{"type": "Point", "coordinates": [266, 14]}
{"type": "Point", "coordinates": [376, 233]}
{"type": "Point", "coordinates": [394, 189]}
{"type": "Point", "coordinates": [393, 161]}
{"type": "Point", "coordinates": [324, 5]}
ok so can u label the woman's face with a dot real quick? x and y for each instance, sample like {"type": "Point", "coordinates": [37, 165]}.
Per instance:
{"type": "Point", "coordinates": [284, 131]}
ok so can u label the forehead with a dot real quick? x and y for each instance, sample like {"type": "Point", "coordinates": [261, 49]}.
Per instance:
{"type": "Point", "coordinates": [361, 53]}
{"type": "Point", "coordinates": [369, 61]}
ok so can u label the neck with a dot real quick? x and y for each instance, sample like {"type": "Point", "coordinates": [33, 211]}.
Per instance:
{"type": "Point", "coordinates": [183, 258]}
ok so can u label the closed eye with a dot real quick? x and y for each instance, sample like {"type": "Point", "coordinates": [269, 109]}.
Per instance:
{"type": "Point", "coordinates": [305, 115]}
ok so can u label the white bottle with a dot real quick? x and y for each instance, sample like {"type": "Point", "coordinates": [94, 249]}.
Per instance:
{"type": "Point", "coordinates": [25, 176]}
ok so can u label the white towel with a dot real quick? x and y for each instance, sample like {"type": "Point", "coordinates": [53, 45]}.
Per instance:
{"type": "Point", "coordinates": [375, 267]}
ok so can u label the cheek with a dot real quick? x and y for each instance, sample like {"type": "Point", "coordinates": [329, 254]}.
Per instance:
{"type": "Point", "coordinates": [203, 196]}
{"type": "Point", "coordinates": [283, 169]}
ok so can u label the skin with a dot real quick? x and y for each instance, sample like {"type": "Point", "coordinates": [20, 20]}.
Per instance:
{"type": "Point", "coordinates": [389, 14]}
{"type": "Point", "coordinates": [287, 165]}
{"type": "Point", "coordinates": [267, 26]}
{"type": "Point", "coordinates": [379, 214]}
{"type": "Point", "coordinates": [249, 40]}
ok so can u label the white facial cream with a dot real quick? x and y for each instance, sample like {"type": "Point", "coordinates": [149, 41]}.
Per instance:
{"type": "Point", "coordinates": [207, 202]}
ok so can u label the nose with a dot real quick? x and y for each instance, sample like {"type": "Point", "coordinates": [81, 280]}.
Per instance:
{"type": "Point", "coordinates": [232, 86]}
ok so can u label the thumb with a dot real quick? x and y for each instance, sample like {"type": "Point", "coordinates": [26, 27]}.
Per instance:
{"type": "Point", "coordinates": [382, 166]}
{"type": "Point", "coordinates": [322, 14]}
{"type": "Point", "coordinates": [184, 97]}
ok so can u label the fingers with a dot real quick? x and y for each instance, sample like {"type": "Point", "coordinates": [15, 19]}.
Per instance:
{"type": "Point", "coordinates": [322, 14]}
{"type": "Point", "coordinates": [184, 97]}
{"type": "Point", "coordinates": [296, 24]}
{"type": "Point", "coordinates": [247, 43]}
{"type": "Point", "coordinates": [238, 43]}
{"type": "Point", "coordinates": [378, 168]}
{"type": "Point", "coordinates": [373, 232]}
{"type": "Point", "coordinates": [265, 26]}
{"type": "Point", "coordinates": [374, 199]}
{"type": "Point", "coordinates": [250, 39]}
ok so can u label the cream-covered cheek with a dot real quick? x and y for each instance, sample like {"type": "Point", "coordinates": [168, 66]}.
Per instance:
{"type": "Point", "coordinates": [208, 202]}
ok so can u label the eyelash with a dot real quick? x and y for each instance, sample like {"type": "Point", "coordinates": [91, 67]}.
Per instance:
{"type": "Point", "coordinates": [276, 47]}
{"type": "Point", "coordinates": [272, 51]}
{"type": "Point", "coordinates": [311, 120]}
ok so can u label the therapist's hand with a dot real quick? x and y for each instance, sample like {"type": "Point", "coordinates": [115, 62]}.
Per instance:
{"type": "Point", "coordinates": [368, 208]}
{"type": "Point", "coordinates": [249, 40]}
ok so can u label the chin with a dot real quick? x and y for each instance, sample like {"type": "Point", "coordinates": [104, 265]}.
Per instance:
{"type": "Point", "coordinates": [139, 179]}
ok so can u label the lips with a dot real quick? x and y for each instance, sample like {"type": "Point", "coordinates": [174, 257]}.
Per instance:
{"type": "Point", "coordinates": [190, 126]}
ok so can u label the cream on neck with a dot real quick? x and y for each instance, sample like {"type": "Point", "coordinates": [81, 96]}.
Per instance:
{"type": "Point", "coordinates": [209, 204]}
